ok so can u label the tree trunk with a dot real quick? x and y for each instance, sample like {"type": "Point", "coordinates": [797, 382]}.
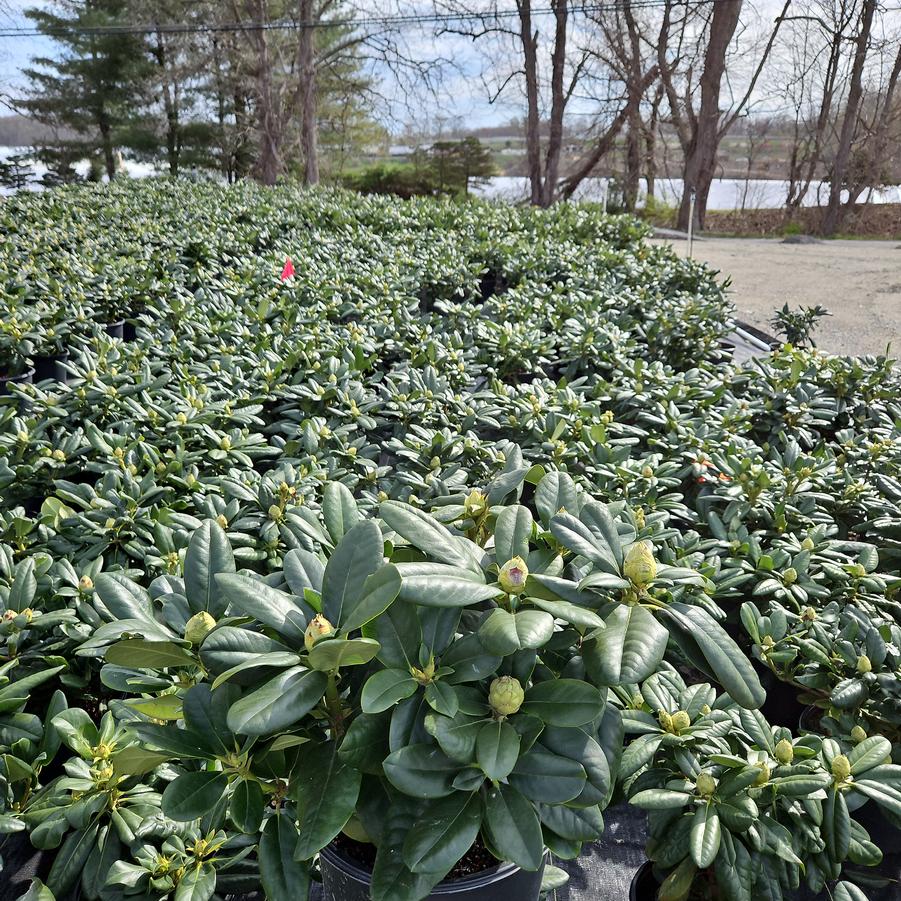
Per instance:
{"type": "Point", "coordinates": [650, 139]}
{"type": "Point", "coordinates": [701, 154]}
{"type": "Point", "coordinates": [170, 107]}
{"type": "Point", "coordinates": [834, 213]}
{"type": "Point", "coordinates": [307, 73]}
{"type": "Point", "coordinates": [634, 135]}
{"type": "Point", "coordinates": [269, 164]}
{"type": "Point", "coordinates": [533, 124]}
{"type": "Point", "coordinates": [106, 142]}
{"type": "Point", "coordinates": [558, 105]}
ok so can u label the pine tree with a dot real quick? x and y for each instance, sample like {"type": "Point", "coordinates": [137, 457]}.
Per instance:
{"type": "Point", "coordinates": [90, 91]}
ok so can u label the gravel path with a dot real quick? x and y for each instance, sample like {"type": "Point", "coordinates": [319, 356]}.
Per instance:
{"type": "Point", "coordinates": [859, 282]}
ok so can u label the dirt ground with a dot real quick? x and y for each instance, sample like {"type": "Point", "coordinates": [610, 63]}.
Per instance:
{"type": "Point", "coordinates": [859, 282]}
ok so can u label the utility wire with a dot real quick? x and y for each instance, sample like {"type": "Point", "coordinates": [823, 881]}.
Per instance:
{"type": "Point", "coordinates": [358, 22]}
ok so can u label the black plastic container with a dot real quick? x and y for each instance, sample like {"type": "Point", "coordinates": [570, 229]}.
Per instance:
{"type": "Point", "coordinates": [129, 330]}
{"type": "Point", "coordinates": [23, 378]}
{"type": "Point", "coordinates": [644, 885]}
{"type": "Point", "coordinates": [346, 880]}
{"type": "Point", "coordinates": [51, 367]}
{"type": "Point", "coordinates": [115, 329]}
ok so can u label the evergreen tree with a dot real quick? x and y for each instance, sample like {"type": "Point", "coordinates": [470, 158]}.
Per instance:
{"type": "Point", "coordinates": [92, 88]}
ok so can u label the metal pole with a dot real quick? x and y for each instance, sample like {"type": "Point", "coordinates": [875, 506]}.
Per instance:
{"type": "Point", "coordinates": [691, 220]}
{"type": "Point", "coordinates": [606, 192]}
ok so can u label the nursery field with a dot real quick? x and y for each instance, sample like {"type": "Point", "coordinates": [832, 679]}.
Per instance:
{"type": "Point", "coordinates": [384, 544]}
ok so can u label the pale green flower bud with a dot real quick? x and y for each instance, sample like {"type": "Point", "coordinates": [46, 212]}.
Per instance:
{"type": "Point", "coordinates": [841, 767]}
{"type": "Point", "coordinates": [319, 627]}
{"type": "Point", "coordinates": [785, 752]}
{"type": "Point", "coordinates": [790, 576]}
{"type": "Point", "coordinates": [864, 665]}
{"type": "Point", "coordinates": [640, 567]}
{"type": "Point", "coordinates": [505, 695]}
{"type": "Point", "coordinates": [513, 576]}
{"type": "Point", "coordinates": [198, 627]}
{"type": "Point", "coordinates": [858, 734]}
{"type": "Point", "coordinates": [681, 721]}
{"type": "Point", "coordinates": [706, 785]}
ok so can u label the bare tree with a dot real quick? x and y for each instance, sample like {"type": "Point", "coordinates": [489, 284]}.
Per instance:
{"type": "Point", "coordinates": [700, 130]}
{"type": "Point", "coordinates": [542, 61]}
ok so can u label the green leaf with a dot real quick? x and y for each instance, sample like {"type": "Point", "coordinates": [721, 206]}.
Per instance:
{"type": "Point", "coordinates": [359, 554]}
{"type": "Point", "coordinates": [326, 791]}
{"type": "Point", "coordinates": [37, 891]}
{"type": "Point", "coordinates": [191, 795]}
{"type": "Point", "coordinates": [497, 749]}
{"type": "Point", "coordinates": [421, 771]}
{"type": "Point", "coordinates": [197, 884]}
{"type": "Point", "coordinates": [265, 604]}
{"type": "Point", "coordinates": [247, 806]}
{"type": "Point", "coordinates": [502, 633]}
{"type": "Point", "coordinates": [339, 510]}
{"type": "Point", "coordinates": [425, 533]}
{"type": "Point", "coordinates": [444, 834]}
{"type": "Point", "coordinates": [512, 532]}
{"type": "Point", "coordinates": [847, 891]}
{"type": "Point", "coordinates": [209, 552]}
{"type": "Point", "coordinates": [386, 688]}
{"type": "Point", "coordinates": [379, 590]}
{"type": "Point", "coordinates": [871, 752]}
{"type": "Point", "coordinates": [122, 598]}
{"type": "Point", "coordinates": [164, 707]}
{"type": "Point", "coordinates": [569, 613]}
{"type": "Point", "coordinates": [365, 744]}
{"type": "Point", "coordinates": [136, 761]}
{"type": "Point", "coordinates": [77, 730]}
{"type": "Point", "coordinates": [24, 587]}
{"type": "Point", "coordinates": [71, 858]}
{"type": "Point", "coordinates": [576, 824]}
{"type": "Point", "coordinates": [141, 654]}
{"type": "Point", "coordinates": [660, 799]}
{"type": "Point", "coordinates": [442, 698]}
{"type": "Point", "coordinates": [729, 664]}
{"type": "Point", "coordinates": [629, 650]}
{"type": "Point", "coordinates": [329, 654]}
{"type": "Point", "coordinates": [283, 878]}
{"type": "Point", "coordinates": [705, 836]}
{"type": "Point", "coordinates": [548, 778]}
{"type": "Point", "coordinates": [440, 585]}
{"type": "Point", "coordinates": [513, 827]}
{"type": "Point", "coordinates": [556, 492]}
{"type": "Point", "coordinates": [279, 703]}
{"type": "Point", "coordinates": [579, 538]}
{"type": "Point", "coordinates": [564, 702]}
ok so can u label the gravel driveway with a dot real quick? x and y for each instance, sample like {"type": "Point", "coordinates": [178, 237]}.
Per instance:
{"type": "Point", "coordinates": [859, 282]}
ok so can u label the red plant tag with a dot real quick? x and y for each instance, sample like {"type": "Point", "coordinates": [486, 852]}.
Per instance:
{"type": "Point", "coordinates": [288, 271]}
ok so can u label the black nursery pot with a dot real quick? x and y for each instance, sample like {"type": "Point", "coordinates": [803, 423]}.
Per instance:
{"type": "Point", "coordinates": [644, 884]}
{"type": "Point", "coordinates": [345, 880]}
{"type": "Point", "coordinates": [23, 378]}
{"type": "Point", "coordinates": [51, 367]}
{"type": "Point", "coordinates": [129, 330]}
{"type": "Point", "coordinates": [115, 329]}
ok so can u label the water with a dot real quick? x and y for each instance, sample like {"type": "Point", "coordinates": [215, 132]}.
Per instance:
{"type": "Point", "coordinates": [725, 193]}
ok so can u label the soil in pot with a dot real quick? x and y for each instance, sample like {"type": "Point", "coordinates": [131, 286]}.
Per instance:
{"type": "Point", "coordinates": [347, 867]}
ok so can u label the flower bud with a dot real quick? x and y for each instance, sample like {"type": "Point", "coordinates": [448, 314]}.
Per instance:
{"type": "Point", "coordinates": [665, 720]}
{"type": "Point", "coordinates": [763, 776]}
{"type": "Point", "coordinates": [858, 734]}
{"type": "Point", "coordinates": [681, 721]}
{"type": "Point", "coordinates": [841, 767]}
{"type": "Point", "coordinates": [864, 665]}
{"type": "Point", "coordinates": [275, 512]}
{"type": "Point", "coordinates": [706, 785]}
{"type": "Point", "coordinates": [505, 695]}
{"type": "Point", "coordinates": [198, 627]}
{"type": "Point", "coordinates": [809, 614]}
{"type": "Point", "coordinates": [513, 576]}
{"type": "Point", "coordinates": [475, 503]}
{"type": "Point", "coordinates": [222, 521]}
{"type": "Point", "coordinates": [225, 443]}
{"type": "Point", "coordinates": [640, 567]}
{"type": "Point", "coordinates": [807, 544]}
{"type": "Point", "coordinates": [790, 576]}
{"type": "Point", "coordinates": [85, 583]}
{"type": "Point", "coordinates": [319, 627]}
{"type": "Point", "coordinates": [785, 752]}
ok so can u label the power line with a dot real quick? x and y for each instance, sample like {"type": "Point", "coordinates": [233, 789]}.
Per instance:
{"type": "Point", "coordinates": [358, 22]}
